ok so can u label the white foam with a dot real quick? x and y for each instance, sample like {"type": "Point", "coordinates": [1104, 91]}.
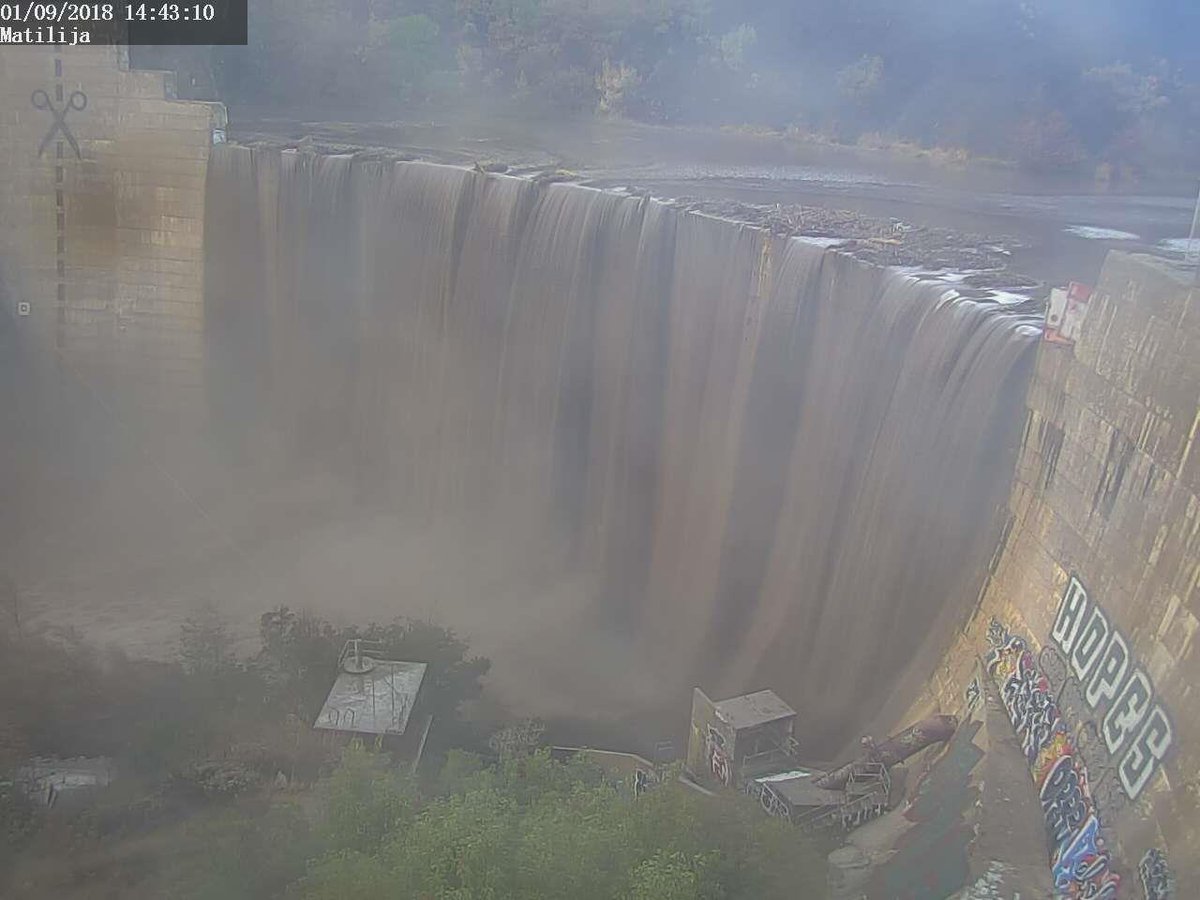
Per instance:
{"type": "Point", "coordinates": [786, 776]}
{"type": "Point", "coordinates": [1095, 233]}
{"type": "Point", "coordinates": [821, 241]}
{"type": "Point", "coordinates": [1181, 245]}
{"type": "Point", "coordinates": [1007, 298]}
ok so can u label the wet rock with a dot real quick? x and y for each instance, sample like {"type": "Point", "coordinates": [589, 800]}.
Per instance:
{"type": "Point", "coordinates": [882, 241]}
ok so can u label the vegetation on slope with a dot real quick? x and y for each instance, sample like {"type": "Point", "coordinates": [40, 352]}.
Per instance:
{"type": "Point", "coordinates": [1064, 84]}
{"type": "Point", "coordinates": [199, 809]}
{"type": "Point", "coordinates": [534, 828]}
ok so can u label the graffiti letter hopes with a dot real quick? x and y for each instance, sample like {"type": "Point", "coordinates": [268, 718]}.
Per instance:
{"type": "Point", "coordinates": [1116, 689]}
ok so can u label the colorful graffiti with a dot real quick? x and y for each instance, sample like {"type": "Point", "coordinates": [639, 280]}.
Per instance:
{"type": "Point", "coordinates": [1079, 861]}
{"type": "Point", "coordinates": [1155, 875]}
{"type": "Point", "coordinates": [1102, 767]}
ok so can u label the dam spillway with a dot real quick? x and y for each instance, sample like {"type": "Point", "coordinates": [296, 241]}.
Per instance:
{"type": "Point", "coordinates": [776, 465]}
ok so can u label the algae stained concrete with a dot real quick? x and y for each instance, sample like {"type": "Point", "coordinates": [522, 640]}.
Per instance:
{"type": "Point", "coordinates": [1105, 512]}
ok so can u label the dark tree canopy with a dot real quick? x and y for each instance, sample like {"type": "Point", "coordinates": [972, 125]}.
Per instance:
{"type": "Point", "coordinates": [1048, 83]}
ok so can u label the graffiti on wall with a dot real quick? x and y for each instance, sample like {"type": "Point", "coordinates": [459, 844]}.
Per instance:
{"type": "Point", "coordinates": [1068, 693]}
{"type": "Point", "coordinates": [641, 782]}
{"type": "Point", "coordinates": [1080, 863]}
{"type": "Point", "coordinates": [719, 762]}
{"type": "Point", "coordinates": [1108, 690]}
{"type": "Point", "coordinates": [973, 693]}
{"type": "Point", "coordinates": [1157, 882]}
{"type": "Point", "coordinates": [769, 799]}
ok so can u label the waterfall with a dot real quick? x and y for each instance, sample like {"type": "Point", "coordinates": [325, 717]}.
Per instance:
{"type": "Point", "coordinates": [779, 467]}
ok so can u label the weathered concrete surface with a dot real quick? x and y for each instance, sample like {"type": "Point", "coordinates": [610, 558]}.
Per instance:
{"type": "Point", "coordinates": [102, 216]}
{"type": "Point", "coordinates": [376, 701]}
{"type": "Point", "coordinates": [972, 824]}
{"type": "Point", "coordinates": [1106, 490]}
{"type": "Point", "coordinates": [1006, 821]}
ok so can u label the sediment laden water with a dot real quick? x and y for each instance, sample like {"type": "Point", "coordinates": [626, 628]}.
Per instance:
{"type": "Point", "coordinates": [782, 467]}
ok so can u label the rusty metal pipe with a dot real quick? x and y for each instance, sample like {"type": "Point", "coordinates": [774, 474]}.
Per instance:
{"type": "Point", "coordinates": [896, 749]}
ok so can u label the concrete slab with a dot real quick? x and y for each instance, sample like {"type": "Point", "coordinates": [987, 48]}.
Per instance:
{"type": "Point", "coordinates": [378, 701]}
{"type": "Point", "coordinates": [751, 710]}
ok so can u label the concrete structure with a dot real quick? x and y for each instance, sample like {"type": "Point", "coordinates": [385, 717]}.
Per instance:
{"type": "Point", "coordinates": [632, 773]}
{"type": "Point", "coordinates": [57, 782]}
{"type": "Point", "coordinates": [793, 794]}
{"type": "Point", "coordinates": [376, 702]}
{"type": "Point", "coordinates": [102, 217]}
{"type": "Point", "coordinates": [1089, 613]}
{"type": "Point", "coordinates": [735, 739]}
{"type": "Point", "coordinates": [370, 696]}
{"type": "Point", "coordinates": [373, 700]}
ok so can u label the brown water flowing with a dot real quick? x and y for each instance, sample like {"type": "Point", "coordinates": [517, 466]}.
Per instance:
{"type": "Point", "coordinates": [778, 467]}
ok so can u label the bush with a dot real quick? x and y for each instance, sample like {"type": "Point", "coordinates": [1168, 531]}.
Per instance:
{"type": "Point", "coordinates": [218, 779]}
{"type": "Point", "coordinates": [1047, 143]}
{"type": "Point", "coordinates": [243, 854]}
{"type": "Point", "coordinates": [16, 819]}
{"type": "Point", "coordinates": [531, 827]}
{"type": "Point", "coordinates": [363, 803]}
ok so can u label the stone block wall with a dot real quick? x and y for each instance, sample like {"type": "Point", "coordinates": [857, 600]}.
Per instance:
{"type": "Point", "coordinates": [1098, 569]}
{"type": "Point", "coordinates": [102, 216]}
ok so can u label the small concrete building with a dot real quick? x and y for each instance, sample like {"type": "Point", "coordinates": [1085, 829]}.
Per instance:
{"type": "Point", "coordinates": [373, 699]}
{"type": "Point", "coordinates": [735, 739]}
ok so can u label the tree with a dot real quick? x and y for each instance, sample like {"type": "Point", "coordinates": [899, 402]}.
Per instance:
{"type": "Point", "coordinates": [363, 803]}
{"type": "Point", "coordinates": [985, 75]}
{"type": "Point", "coordinates": [670, 876]}
{"type": "Point", "coordinates": [205, 645]}
{"type": "Point", "coordinates": [402, 52]}
{"type": "Point", "coordinates": [735, 45]}
{"type": "Point", "coordinates": [534, 828]}
{"type": "Point", "coordinates": [861, 81]}
{"type": "Point", "coordinates": [614, 83]}
{"type": "Point", "coordinates": [241, 856]}
{"type": "Point", "coordinates": [1047, 143]}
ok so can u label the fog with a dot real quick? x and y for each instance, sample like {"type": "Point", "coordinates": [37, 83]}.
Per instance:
{"type": "Point", "coordinates": [579, 441]}
{"type": "Point", "coordinates": [1051, 85]}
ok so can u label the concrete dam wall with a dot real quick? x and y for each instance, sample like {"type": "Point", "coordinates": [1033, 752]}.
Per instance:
{"type": "Point", "coordinates": [777, 466]}
{"type": "Point", "coordinates": [1088, 617]}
